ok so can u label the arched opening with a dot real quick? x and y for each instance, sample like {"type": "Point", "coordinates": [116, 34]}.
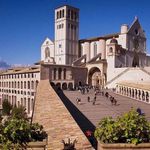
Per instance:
{"type": "Point", "coordinates": [94, 77]}
{"type": "Point", "coordinates": [52, 83]}
{"type": "Point", "coordinates": [135, 62]}
{"type": "Point", "coordinates": [70, 86]}
{"type": "Point", "coordinates": [58, 85]}
{"type": "Point", "coordinates": [64, 86]}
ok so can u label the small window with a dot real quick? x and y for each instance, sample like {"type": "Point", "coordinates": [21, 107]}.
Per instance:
{"type": "Point", "coordinates": [60, 45]}
{"type": "Point", "coordinates": [63, 13]}
{"type": "Point", "coordinates": [110, 50]}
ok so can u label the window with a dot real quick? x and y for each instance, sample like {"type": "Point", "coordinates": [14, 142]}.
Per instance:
{"type": "Point", "coordinates": [28, 84]}
{"type": "Point", "coordinates": [57, 14]}
{"type": "Point", "coordinates": [32, 85]}
{"type": "Point", "coordinates": [63, 13]}
{"type": "Point", "coordinates": [60, 14]}
{"type": "Point", "coordinates": [110, 50]}
{"type": "Point", "coordinates": [24, 84]}
{"type": "Point", "coordinates": [60, 45]}
{"type": "Point", "coordinates": [21, 85]}
{"type": "Point", "coordinates": [47, 52]}
{"type": "Point", "coordinates": [32, 75]}
{"type": "Point", "coordinates": [18, 85]}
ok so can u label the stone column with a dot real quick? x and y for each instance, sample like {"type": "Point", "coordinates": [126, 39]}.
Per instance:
{"type": "Point", "coordinates": [102, 48]}
{"type": "Point", "coordinates": [86, 50]}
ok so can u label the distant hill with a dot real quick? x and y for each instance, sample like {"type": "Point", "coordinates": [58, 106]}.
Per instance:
{"type": "Point", "coordinates": [4, 65]}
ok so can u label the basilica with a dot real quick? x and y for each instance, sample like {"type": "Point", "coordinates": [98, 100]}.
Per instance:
{"type": "Point", "coordinates": [100, 61]}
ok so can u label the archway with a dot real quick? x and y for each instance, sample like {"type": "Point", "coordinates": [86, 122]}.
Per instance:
{"type": "Point", "coordinates": [58, 85]}
{"type": "Point", "coordinates": [52, 83]}
{"type": "Point", "coordinates": [94, 77]}
{"type": "Point", "coordinates": [64, 86]}
{"type": "Point", "coordinates": [135, 62]}
{"type": "Point", "coordinates": [70, 86]}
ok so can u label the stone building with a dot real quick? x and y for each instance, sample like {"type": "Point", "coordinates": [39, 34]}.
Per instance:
{"type": "Point", "coordinates": [18, 86]}
{"type": "Point", "coordinates": [107, 58]}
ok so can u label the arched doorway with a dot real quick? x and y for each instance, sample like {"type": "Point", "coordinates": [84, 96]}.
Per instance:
{"type": "Point", "coordinates": [94, 77]}
{"type": "Point", "coordinates": [135, 62]}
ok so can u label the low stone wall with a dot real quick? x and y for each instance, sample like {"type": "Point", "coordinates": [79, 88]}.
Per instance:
{"type": "Point", "coordinates": [123, 146]}
{"type": "Point", "coordinates": [34, 145]}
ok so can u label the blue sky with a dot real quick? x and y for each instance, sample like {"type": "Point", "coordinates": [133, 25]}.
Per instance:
{"type": "Point", "coordinates": [24, 24]}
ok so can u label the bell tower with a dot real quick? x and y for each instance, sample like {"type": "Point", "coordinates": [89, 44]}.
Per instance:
{"type": "Point", "coordinates": [66, 34]}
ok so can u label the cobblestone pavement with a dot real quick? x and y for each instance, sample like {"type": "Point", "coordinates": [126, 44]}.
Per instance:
{"type": "Point", "coordinates": [103, 106]}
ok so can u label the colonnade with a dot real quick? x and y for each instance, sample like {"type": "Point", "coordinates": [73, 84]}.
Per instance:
{"type": "Point", "coordinates": [134, 92]}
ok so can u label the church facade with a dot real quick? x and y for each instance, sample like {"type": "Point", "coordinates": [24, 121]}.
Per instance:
{"type": "Point", "coordinates": [103, 60]}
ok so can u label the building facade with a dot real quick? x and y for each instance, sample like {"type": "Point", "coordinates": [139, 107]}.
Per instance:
{"type": "Point", "coordinates": [18, 86]}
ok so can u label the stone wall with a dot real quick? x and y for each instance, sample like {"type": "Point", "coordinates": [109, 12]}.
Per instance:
{"type": "Point", "coordinates": [56, 119]}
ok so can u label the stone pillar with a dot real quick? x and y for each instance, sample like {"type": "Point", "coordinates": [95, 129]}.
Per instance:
{"type": "Point", "coordinates": [102, 48]}
{"type": "Point", "coordinates": [62, 74]}
{"type": "Point", "coordinates": [52, 76]}
{"type": "Point", "coordinates": [86, 50]}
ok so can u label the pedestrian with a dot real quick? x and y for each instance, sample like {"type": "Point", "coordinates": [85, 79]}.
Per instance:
{"type": "Point", "coordinates": [78, 100]}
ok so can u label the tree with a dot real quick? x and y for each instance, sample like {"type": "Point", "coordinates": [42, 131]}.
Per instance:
{"type": "Point", "coordinates": [19, 113]}
{"type": "Point", "coordinates": [6, 107]}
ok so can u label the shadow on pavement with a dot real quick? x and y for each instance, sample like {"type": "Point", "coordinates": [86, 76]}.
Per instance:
{"type": "Point", "coordinates": [79, 117]}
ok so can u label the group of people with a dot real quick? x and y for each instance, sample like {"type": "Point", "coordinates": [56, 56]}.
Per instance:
{"type": "Point", "coordinates": [111, 98]}
{"type": "Point", "coordinates": [97, 91]}
{"type": "Point", "coordinates": [84, 89]}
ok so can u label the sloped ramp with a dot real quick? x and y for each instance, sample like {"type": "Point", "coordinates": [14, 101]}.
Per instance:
{"type": "Point", "coordinates": [50, 112]}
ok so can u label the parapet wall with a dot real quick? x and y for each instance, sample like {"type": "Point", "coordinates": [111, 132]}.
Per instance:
{"type": "Point", "coordinates": [57, 121]}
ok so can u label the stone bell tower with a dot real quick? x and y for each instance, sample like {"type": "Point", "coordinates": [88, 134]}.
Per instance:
{"type": "Point", "coordinates": [66, 34]}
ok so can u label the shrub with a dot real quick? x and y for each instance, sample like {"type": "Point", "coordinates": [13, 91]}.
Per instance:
{"type": "Point", "coordinates": [129, 128]}
{"type": "Point", "coordinates": [19, 113]}
{"type": "Point", "coordinates": [17, 131]}
{"type": "Point", "coordinates": [6, 107]}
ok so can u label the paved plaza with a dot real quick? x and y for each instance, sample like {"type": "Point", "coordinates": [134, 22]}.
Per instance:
{"type": "Point", "coordinates": [88, 115]}
{"type": "Point", "coordinates": [103, 106]}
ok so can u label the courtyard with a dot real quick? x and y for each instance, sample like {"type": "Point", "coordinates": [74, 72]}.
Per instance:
{"type": "Point", "coordinates": [103, 107]}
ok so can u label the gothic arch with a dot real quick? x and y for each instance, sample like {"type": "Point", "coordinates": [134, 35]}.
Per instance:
{"type": "Point", "coordinates": [135, 62]}
{"type": "Point", "coordinates": [47, 52]}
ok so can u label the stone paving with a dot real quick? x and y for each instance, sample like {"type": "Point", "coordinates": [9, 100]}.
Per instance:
{"type": "Point", "coordinates": [103, 106]}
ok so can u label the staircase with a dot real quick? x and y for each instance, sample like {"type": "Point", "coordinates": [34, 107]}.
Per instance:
{"type": "Point", "coordinates": [145, 71]}
{"type": "Point", "coordinates": [120, 74]}
{"type": "Point", "coordinates": [50, 112]}
{"type": "Point", "coordinates": [79, 62]}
